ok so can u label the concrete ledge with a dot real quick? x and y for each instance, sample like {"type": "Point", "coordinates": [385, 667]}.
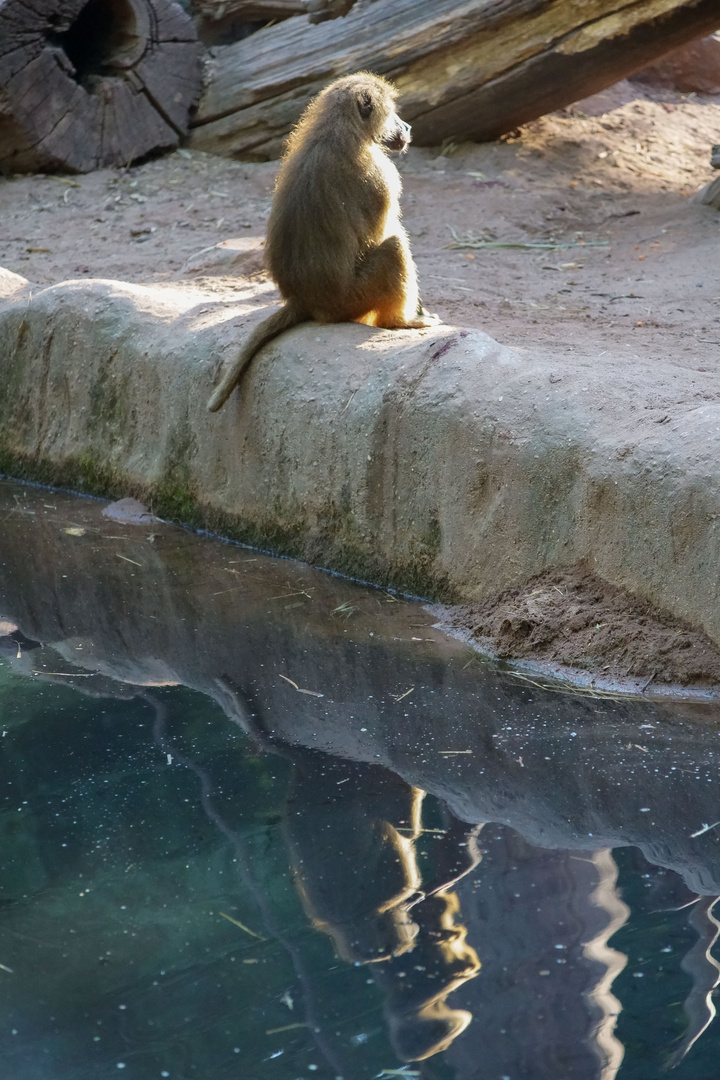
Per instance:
{"type": "Point", "coordinates": [435, 461]}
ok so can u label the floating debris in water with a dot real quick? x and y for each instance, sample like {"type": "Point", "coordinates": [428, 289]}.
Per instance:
{"type": "Point", "coordinates": [344, 610]}
{"type": "Point", "coordinates": [312, 693]}
{"type": "Point", "coordinates": [397, 1072]}
{"type": "Point", "coordinates": [242, 926]}
{"type": "Point", "coordinates": [125, 559]}
{"type": "Point", "coordinates": [399, 697]}
{"type": "Point", "coordinates": [67, 674]}
{"type": "Point", "coordinates": [705, 828]}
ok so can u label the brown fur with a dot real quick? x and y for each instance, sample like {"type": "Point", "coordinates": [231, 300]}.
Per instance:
{"type": "Point", "coordinates": [335, 245]}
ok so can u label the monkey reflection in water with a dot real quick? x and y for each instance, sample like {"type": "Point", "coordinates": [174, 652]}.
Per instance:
{"type": "Point", "coordinates": [352, 846]}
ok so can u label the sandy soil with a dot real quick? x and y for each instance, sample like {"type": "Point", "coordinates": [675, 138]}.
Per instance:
{"type": "Point", "coordinates": [612, 251]}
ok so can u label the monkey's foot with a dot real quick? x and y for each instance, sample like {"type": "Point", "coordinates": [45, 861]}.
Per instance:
{"type": "Point", "coordinates": [425, 319]}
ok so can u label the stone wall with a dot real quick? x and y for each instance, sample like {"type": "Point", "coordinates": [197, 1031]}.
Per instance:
{"type": "Point", "coordinates": [435, 461]}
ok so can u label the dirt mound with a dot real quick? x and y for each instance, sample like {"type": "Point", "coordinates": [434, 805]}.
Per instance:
{"type": "Point", "coordinates": [571, 617]}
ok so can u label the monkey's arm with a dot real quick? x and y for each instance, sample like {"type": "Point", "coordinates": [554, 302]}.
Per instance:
{"type": "Point", "coordinates": [284, 319]}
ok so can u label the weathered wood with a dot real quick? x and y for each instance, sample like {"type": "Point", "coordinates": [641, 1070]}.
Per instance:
{"type": "Point", "coordinates": [322, 10]}
{"type": "Point", "coordinates": [222, 22]}
{"type": "Point", "coordinates": [465, 70]}
{"type": "Point", "coordinates": [87, 83]}
{"type": "Point", "coordinates": [218, 10]}
{"type": "Point", "coordinates": [212, 11]}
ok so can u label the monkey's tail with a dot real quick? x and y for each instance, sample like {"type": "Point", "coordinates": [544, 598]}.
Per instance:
{"type": "Point", "coordinates": [284, 319]}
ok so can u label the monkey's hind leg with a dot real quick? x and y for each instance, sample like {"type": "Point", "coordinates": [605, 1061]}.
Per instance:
{"type": "Point", "coordinates": [386, 291]}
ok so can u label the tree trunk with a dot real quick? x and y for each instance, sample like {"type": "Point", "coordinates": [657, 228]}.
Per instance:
{"type": "Point", "coordinates": [88, 83]}
{"type": "Point", "coordinates": [466, 69]}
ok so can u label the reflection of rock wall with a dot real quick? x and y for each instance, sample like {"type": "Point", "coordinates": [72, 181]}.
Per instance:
{"type": "Point", "coordinates": [22, 871]}
{"type": "Point", "coordinates": [130, 861]}
{"type": "Point", "coordinates": [565, 771]}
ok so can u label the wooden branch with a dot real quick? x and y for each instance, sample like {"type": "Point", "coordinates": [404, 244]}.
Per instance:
{"type": "Point", "coordinates": [83, 85]}
{"type": "Point", "coordinates": [466, 69]}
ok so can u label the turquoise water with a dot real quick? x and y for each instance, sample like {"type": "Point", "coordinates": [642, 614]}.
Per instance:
{"type": "Point", "coordinates": [265, 824]}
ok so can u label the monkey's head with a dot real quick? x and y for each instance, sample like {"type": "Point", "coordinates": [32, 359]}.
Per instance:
{"type": "Point", "coordinates": [366, 104]}
{"type": "Point", "coordinates": [396, 136]}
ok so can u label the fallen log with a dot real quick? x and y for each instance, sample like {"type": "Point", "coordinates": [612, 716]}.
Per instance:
{"type": "Point", "coordinates": [466, 69]}
{"type": "Point", "coordinates": [89, 84]}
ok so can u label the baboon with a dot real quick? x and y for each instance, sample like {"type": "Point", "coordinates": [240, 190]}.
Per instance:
{"type": "Point", "coordinates": [335, 246]}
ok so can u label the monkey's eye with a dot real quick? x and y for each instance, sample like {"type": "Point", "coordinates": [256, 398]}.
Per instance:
{"type": "Point", "coordinates": [365, 105]}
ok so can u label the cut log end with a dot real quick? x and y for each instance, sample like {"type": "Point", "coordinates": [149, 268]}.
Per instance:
{"type": "Point", "coordinates": [92, 83]}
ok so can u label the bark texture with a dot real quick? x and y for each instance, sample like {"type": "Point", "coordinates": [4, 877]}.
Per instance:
{"type": "Point", "coordinates": [89, 84]}
{"type": "Point", "coordinates": [218, 10]}
{"type": "Point", "coordinates": [465, 70]}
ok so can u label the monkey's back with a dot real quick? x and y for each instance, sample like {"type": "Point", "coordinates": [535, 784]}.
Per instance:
{"type": "Point", "coordinates": [331, 204]}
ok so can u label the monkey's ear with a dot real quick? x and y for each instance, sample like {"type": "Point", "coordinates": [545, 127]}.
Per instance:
{"type": "Point", "coordinates": [365, 103]}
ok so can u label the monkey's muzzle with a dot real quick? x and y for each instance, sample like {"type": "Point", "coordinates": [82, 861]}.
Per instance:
{"type": "Point", "coordinates": [397, 138]}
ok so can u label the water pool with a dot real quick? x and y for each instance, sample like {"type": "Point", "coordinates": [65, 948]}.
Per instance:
{"type": "Point", "coordinates": [258, 822]}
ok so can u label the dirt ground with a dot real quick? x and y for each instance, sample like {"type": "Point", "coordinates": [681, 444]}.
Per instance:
{"type": "Point", "coordinates": [570, 622]}
{"type": "Point", "coordinates": [611, 252]}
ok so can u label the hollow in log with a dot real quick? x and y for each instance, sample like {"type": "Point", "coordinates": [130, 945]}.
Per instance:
{"type": "Point", "coordinates": [89, 83]}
